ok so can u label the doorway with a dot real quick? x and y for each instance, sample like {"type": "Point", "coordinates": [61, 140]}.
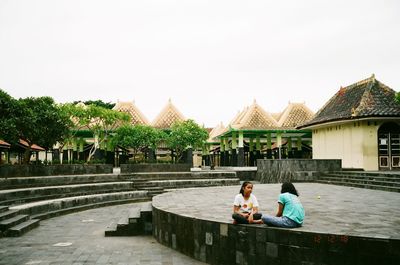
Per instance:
{"type": "Point", "coordinates": [389, 146]}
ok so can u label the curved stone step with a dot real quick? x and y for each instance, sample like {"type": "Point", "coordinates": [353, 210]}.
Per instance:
{"type": "Point", "coordinates": [68, 202]}
{"type": "Point", "coordinates": [23, 195]}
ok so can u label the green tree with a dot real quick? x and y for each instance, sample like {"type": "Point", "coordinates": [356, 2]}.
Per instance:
{"type": "Point", "coordinates": [8, 117]}
{"type": "Point", "coordinates": [101, 122]}
{"type": "Point", "coordinates": [99, 103]}
{"type": "Point", "coordinates": [138, 137]}
{"type": "Point", "coordinates": [184, 135]}
{"type": "Point", "coordinates": [40, 121]}
{"type": "Point", "coordinates": [398, 97]}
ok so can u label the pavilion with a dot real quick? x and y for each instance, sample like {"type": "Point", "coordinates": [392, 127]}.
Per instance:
{"type": "Point", "coordinates": [254, 134]}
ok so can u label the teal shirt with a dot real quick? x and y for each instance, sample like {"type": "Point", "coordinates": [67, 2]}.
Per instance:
{"type": "Point", "coordinates": [292, 207]}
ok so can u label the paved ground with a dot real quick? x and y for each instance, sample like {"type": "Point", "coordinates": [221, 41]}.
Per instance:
{"type": "Point", "coordinates": [79, 239]}
{"type": "Point", "coordinates": [329, 208]}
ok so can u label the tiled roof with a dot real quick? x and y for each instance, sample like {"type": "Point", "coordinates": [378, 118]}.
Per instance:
{"type": "Point", "coordinates": [294, 115]}
{"type": "Point", "coordinates": [168, 115]}
{"type": "Point", "coordinates": [367, 98]}
{"type": "Point", "coordinates": [253, 118]}
{"type": "Point", "coordinates": [136, 115]}
{"type": "Point", "coordinates": [218, 130]}
{"type": "Point", "coordinates": [276, 116]}
{"type": "Point", "coordinates": [34, 147]}
{"type": "Point", "coordinates": [4, 144]}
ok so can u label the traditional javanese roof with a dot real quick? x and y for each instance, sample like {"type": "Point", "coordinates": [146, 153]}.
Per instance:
{"type": "Point", "coordinates": [137, 116]}
{"type": "Point", "coordinates": [294, 115]}
{"type": "Point", "coordinates": [254, 117]}
{"type": "Point", "coordinates": [34, 147]}
{"type": "Point", "coordinates": [215, 132]}
{"type": "Point", "coordinates": [168, 115]}
{"type": "Point", "coordinates": [364, 99]}
{"type": "Point", "coordinates": [4, 144]}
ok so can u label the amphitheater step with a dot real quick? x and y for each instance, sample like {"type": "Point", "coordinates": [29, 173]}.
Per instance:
{"type": "Point", "coordinates": [22, 228]}
{"type": "Point", "coordinates": [24, 195]}
{"type": "Point", "coordinates": [8, 214]}
{"type": "Point", "coordinates": [3, 209]}
{"type": "Point", "coordinates": [69, 202]}
{"type": "Point", "coordinates": [50, 214]}
{"type": "Point", "coordinates": [360, 185]}
{"type": "Point", "coordinates": [13, 221]}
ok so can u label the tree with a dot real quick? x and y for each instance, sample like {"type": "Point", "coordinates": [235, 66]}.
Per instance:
{"type": "Point", "coordinates": [40, 121]}
{"type": "Point", "coordinates": [99, 103]}
{"type": "Point", "coordinates": [184, 135]}
{"type": "Point", "coordinates": [8, 117]}
{"type": "Point", "coordinates": [398, 97]}
{"type": "Point", "coordinates": [101, 122]}
{"type": "Point", "coordinates": [138, 137]}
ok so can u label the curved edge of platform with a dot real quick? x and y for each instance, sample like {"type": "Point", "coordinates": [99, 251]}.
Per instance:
{"type": "Point", "coordinates": [222, 243]}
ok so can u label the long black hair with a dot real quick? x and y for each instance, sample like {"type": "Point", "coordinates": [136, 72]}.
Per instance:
{"type": "Point", "coordinates": [244, 186]}
{"type": "Point", "coordinates": [289, 187]}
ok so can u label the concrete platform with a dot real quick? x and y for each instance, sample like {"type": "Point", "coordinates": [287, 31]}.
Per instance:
{"type": "Point", "coordinates": [343, 225]}
{"type": "Point", "coordinates": [337, 210]}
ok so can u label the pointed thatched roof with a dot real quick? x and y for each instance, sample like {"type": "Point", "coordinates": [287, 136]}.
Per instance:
{"type": "Point", "coordinates": [294, 115]}
{"type": "Point", "coordinates": [254, 117]}
{"type": "Point", "coordinates": [366, 98]}
{"type": "Point", "coordinates": [215, 132]}
{"type": "Point", "coordinates": [137, 116]}
{"type": "Point", "coordinates": [168, 115]}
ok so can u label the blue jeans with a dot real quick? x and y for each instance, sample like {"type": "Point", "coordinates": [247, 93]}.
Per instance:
{"type": "Point", "coordinates": [279, 221]}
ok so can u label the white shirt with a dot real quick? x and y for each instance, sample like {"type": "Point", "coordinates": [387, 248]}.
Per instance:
{"type": "Point", "coordinates": [246, 206]}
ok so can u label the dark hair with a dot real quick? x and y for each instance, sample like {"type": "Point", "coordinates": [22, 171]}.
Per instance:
{"type": "Point", "coordinates": [289, 187]}
{"type": "Point", "coordinates": [243, 186]}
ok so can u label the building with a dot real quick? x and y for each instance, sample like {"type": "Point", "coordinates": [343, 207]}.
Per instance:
{"type": "Point", "coordinates": [360, 125]}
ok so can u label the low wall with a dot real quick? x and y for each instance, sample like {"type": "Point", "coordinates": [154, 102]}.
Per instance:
{"type": "Point", "coordinates": [294, 170]}
{"type": "Point", "coordinates": [243, 173]}
{"type": "Point", "coordinates": [226, 244]}
{"type": "Point", "coordinates": [129, 168]}
{"type": "Point", "coordinates": [9, 171]}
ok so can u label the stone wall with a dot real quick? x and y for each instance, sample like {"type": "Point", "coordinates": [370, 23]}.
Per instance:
{"type": "Point", "coordinates": [129, 168]}
{"type": "Point", "coordinates": [243, 173]}
{"type": "Point", "coordinates": [294, 170]}
{"type": "Point", "coordinates": [9, 171]}
{"type": "Point", "coordinates": [227, 244]}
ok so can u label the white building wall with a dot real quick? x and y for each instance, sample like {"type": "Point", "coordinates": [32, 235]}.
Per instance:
{"type": "Point", "coordinates": [355, 143]}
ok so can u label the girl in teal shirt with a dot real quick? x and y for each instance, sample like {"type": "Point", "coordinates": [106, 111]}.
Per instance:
{"type": "Point", "coordinates": [290, 212]}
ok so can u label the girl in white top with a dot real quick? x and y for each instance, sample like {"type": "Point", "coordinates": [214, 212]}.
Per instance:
{"type": "Point", "coordinates": [245, 205]}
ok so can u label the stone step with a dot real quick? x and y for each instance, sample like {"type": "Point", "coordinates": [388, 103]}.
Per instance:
{"type": "Point", "coordinates": [68, 202]}
{"type": "Point", "coordinates": [13, 221]}
{"type": "Point", "coordinates": [134, 215]}
{"type": "Point", "coordinates": [195, 183]}
{"type": "Point", "coordinates": [23, 182]}
{"type": "Point", "coordinates": [390, 174]}
{"type": "Point", "coordinates": [365, 177]}
{"type": "Point", "coordinates": [8, 214]}
{"type": "Point", "coordinates": [111, 229]}
{"type": "Point", "coordinates": [137, 221]}
{"type": "Point", "coordinates": [358, 185]}
{"type": "Point", "coordinates": [51, 214]}
{"type": "Point", "coordinates": [3, 209]}
{"type": "Point", "coordinates": [18, 196]}
{"type": "Point", "coordinates": [179, 175]}
{"type": "Point", "coordinates": [361, 181]}
{"type": "Point", "coordinates": [22, 228]}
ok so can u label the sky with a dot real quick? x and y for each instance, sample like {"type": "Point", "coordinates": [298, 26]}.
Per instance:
{"type": "Point", "coordinates": [211, 58]}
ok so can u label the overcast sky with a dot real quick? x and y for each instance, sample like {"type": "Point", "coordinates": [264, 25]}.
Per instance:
{"type": "Point", "coordinates": [212, 58]}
